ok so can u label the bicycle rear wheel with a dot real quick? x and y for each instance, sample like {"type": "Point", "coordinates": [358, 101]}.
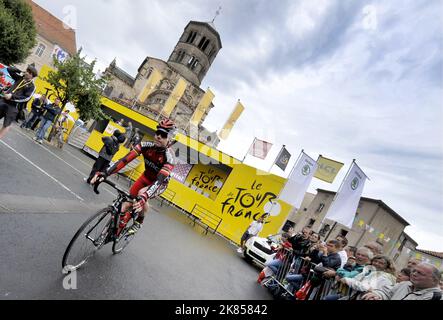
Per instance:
{"type": "Point", "coordinates": [90, 237]}
{"type": "Point", "coordinates": [122, 241]}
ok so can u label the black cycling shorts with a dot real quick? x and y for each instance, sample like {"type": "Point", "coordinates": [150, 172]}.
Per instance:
{"type": "Point", "coordinates": [9, 112]}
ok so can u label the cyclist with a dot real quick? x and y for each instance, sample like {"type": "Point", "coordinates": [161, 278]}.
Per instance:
{"type": "Point", "coordinates": [159, 163]}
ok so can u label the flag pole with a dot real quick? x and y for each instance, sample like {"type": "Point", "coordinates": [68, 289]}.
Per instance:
{"type": "Point", "coordinates": [341, 186]}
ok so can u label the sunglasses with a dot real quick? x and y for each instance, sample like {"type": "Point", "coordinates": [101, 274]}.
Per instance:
{"type": "Point", "coordinates": [162, 134]}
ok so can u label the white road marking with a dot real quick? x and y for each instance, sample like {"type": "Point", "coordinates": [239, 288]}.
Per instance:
{"type": "Point", "coordinates": [43, 171]}
{"type": "Point", "coordinates": [83, 174]}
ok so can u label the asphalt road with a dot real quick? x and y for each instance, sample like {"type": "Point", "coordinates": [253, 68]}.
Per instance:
{"type": "Point", "coordinates": [43, 201]}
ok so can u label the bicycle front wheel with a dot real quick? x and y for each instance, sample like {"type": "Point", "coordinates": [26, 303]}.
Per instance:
{"type": "Point", "coordinates": [89, 238]}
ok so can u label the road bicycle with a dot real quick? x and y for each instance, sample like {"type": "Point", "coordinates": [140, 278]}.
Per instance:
{"type": "Point", "coordinates": [108, 225]}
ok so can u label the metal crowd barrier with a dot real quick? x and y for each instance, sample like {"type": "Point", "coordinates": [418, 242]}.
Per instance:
{"type": "Point", "coordinates": [289, 264]}
{"type": "Point", "coordinates": [277, 283]}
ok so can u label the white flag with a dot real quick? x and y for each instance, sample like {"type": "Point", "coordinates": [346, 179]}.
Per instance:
{"type": "Point", "coordinates": [295, 189]}
{"type": "Point", "coordinates": [344, 206]}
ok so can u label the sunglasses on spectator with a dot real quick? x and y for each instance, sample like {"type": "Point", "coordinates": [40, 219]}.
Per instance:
{"type": "Point", "coordinates": [162, 134]}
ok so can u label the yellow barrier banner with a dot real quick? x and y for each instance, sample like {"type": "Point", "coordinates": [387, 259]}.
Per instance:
{"type": "Point", "coordinates": [327, 169]}
{"type": "Point", "coordinates": [202, 107]}
{"type": "Point", "coordinates": [175, 96]}
{"type": "Point", "coordinates": [224, 133]}
{"type": "Point", "coordinates": [151, 83]}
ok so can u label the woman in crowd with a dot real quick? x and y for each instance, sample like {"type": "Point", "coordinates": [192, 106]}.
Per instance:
{"type": "Point", "coordinates": [378, 274]}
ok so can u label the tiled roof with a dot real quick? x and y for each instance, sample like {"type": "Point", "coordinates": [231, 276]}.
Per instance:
{"type": "Point", "coordinates": [432, 253]}
{"type": "Point", "coordinates": [52, 29]}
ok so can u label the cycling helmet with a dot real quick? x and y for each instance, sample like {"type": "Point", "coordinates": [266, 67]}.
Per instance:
{"type": "Point", "coordinates": [166, 124]}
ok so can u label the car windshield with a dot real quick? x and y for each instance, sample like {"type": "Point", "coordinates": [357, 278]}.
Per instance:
{"type": "Point", "coordinates": [275, 238]}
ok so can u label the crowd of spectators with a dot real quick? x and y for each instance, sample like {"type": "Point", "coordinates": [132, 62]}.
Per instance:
{"type": "Point", "coordinates": [307, 268]}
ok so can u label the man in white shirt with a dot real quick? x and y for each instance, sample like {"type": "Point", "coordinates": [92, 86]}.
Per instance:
{"type": "Point", "coordinates": [254, 228]}
{"type": "Point", "coordinates": [342, 253]}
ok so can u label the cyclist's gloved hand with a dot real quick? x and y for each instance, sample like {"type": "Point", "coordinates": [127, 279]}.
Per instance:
{"type": "Point", "coordinates": [140, 202]}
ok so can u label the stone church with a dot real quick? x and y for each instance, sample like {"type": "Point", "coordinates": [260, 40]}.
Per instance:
{"type": "Point", "coordinates": [191, 59]}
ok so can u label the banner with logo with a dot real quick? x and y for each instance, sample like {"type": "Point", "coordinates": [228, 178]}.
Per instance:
{"type": "Point", "coordinates": [344, 206]}
{"type": "Point", "coordinates": [283, 159]}
{"type": "Point", "coordinates": [260, 148]}
{"type": "Point", "coordinates": [327, 169]}
{"type": "Point", "coordinates": [298, 182]}
{"type": "Point", "coordinates": [5, 78]}
{"type": "Point", "coordinates": [60, 54]}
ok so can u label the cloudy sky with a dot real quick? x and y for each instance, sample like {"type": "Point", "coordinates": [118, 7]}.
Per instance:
{"type": "Point", "coordinates": [346, 79]}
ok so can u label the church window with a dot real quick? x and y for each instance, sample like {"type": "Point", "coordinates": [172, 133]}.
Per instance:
{"type": "Point", "coordinates": [180, 56]}
{"type": "Point", "coordinates": [192, 63]}
{"type": "Point", "coordinates": [41, 48]}
{"type": "Point", "coordinates": [205, 45]}
{"type": "Point", "coordinates": [191, 37]}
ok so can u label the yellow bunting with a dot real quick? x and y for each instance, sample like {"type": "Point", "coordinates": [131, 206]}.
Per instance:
{"type": "Point", "coordinates": [224, 133]}
{"type": "Point", "coordinates": [175, 96]}
{"type": "Point", "coordinates": [203, 105]}
{"type": "Point", "coordinates": [151, 83]}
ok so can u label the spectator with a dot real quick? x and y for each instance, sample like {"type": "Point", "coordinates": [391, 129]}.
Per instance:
{"type": "Point", "coordinates": [350, 264]}
{"type": "Point", "coordinates": [51, 111]}
{"type": "Point", "coordinates": [424, 285]}
{"type": "Point", "coordinates": [300, 242]}
{"type": "Point", "coordinates": [404, 275]}
{"type": "Point", "coordinates": [254, 228]}
{"type": "Point", "coordinates": [296, 275]}
{"type": "Point", "coordinates": [377, 275]}
{"type": "Point", "coordinates": [343, 255]}
{"type": "Point", "coordinates": [441, 281]}
{"type": "Point", "coordinates": [60, 128]}
{"type": "Point", "coordinates": [312, 255]}
{"type": "Point", "coordinates": [107, 152]}
{"type": "Point", "coordinates": [375, 247]}
{"type": "Point", "coordinates": [36, 112]}
{"type": "Point", "coordinates": [363, 257]}
{"type": "Point", "coordinates": [351, 251]}
{"type": "Point", "coordinates": [279, 258]}
{"type": "Point", "coordinates": [329, 255]}
{"type": "Point", "coordinates": [136, 139]}
{"type": "Point", "coordinates": [413, 262]}
{"type": "Point", "coordinates": [16, 96]}
{"type": "Point", "coordinates": [128, 134]}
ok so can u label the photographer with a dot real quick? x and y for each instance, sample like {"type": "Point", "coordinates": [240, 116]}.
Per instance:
{"type": "Point", "coordinates": [16, 96]}
{"type": "Point", "coordinates": [107, 152]}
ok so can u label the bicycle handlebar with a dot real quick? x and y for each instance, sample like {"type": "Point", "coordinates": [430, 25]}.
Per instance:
{"type": "Point", "coordinates": [113, 185]}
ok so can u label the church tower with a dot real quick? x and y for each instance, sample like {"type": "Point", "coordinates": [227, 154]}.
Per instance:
{"type": "Point", "coordinates": [196, 51]}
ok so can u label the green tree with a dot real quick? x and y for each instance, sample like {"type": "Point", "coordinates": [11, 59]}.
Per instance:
{"type": "Point", "coordinates": [17, 31]}
{"type": "Point", "coordinates": [74, 81]}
